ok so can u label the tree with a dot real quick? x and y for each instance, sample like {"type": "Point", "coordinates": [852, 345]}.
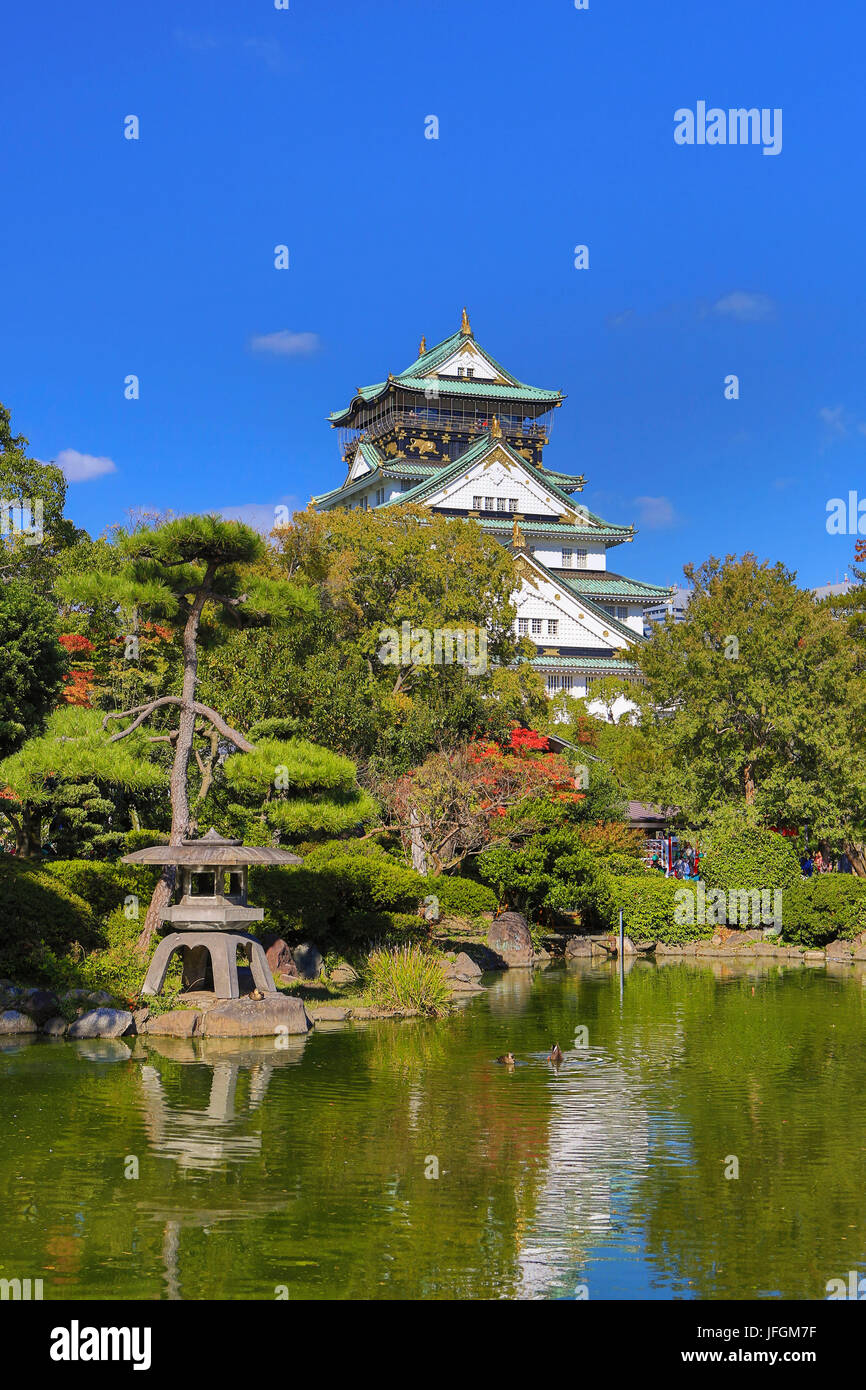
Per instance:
{"type": "Point", "coordinates": [456, 803]}
{"type": "Point", "coordinates": [32, 498]}
{"type": "Point", "coordinates": [399, 590]}
{"type": "Point", "coordinates": [750, 693]}
{"type": "Point", "coordinates": [185, 571]}
{"type": "Point", "coordinates": [296, 790]}
{"type": "Point", "coordinates": [74, 787]}
{"type": "Point", "coordinates": [33, 665]}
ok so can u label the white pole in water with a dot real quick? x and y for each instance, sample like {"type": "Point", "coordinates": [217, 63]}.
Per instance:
{"type": "Point", "coordinates": [621, 959]}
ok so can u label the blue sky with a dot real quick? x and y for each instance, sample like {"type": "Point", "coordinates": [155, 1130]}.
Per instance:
{"type": "Point", "coordinates": [305, 127]}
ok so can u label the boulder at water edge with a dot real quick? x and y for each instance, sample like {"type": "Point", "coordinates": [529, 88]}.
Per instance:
{"type": "Point", "coordinates": [255, 1018]}
{"type": "Point", "coordinates": [101, 1023]}
{"type": "Point", "coordinates": [177, 1023]}
{"type": "Point", "coordinates": [12, 1021]}
{"type": "Point", "coordinates": [509, 937]}
{"type": "Point", "coordinates": [308, 959]}
{"type": "Point", "coordinates": [280, 960]}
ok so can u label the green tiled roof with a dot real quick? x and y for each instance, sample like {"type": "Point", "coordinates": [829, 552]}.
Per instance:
{"type": "Point", "coordinates": [616, 665]}
{"type": "Point", "coordinates": [604, 531]}
{"type": "Point", "coordinates": [614, 585]}
{"type": "Point", "coordinates": [416, 377]}
{"type": "Point", "coordinates": [609, 622]}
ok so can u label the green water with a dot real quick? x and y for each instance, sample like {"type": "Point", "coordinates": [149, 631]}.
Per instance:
{"type": "Point", "coordinates": [304, 1167]}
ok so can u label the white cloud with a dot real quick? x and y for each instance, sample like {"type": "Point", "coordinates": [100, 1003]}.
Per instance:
{"type": "Point", "coordinates": [80, 468]}
{"type": "Point", "coordinates": [655, 513]}
{"type": "Point", "coordinates": [833, 417]}
{"type": "Point", "coordinates": [746, 308]}
{"type": "Point", "coordinates": [285, 343]}
{"type": "Point", "coordinates": [263, 516]}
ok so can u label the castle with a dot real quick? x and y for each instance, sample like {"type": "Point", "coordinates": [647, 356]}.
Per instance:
{"type": "Point", "coordinates": [460, 435]}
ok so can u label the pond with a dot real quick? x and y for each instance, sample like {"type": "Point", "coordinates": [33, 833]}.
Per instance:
{"type": "Point", "coordinates": [306, 1168]}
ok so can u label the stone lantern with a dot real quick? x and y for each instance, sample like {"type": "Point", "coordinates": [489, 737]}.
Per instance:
{"type": "Point", "coordinates": [207, 922]}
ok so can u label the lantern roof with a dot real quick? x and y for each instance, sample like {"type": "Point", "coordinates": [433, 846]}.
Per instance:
{"type": "Point", "coordinates": [211, 848]}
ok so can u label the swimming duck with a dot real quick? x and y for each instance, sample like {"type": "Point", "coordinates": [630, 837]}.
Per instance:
{"type": "Point", "coordinates": [507, 1060]}
{"type": "Point", "coordinates": [555, 1054]}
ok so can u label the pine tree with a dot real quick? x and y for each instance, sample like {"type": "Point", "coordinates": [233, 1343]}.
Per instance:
{"type": "Point", "coordinates": [187, 571]}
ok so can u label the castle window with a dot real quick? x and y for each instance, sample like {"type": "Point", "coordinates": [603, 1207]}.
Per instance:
{"type": "Point", "coordinates": [522, 627]}
{"type": "Point", "coordinates": [380, 496]}
{"type": "Point", "coordinates": [470, 371]}
{"type": "Point", "coordinates": [489, 503]}
{"type": "Point", "coordinates": [566, 559]}
{"type": "Point", "coordinates": [500, 504]}
{"type": "Point", "coordinates": [553, 627]}
{"type": "Point", "coordinates": [536, 626]}
{"type": "Point", "coordinates": [476, 503]}
{"type": "Point", "coordinates": [512, 504]}
{"type": "Point", "coordinates": [580, 559]}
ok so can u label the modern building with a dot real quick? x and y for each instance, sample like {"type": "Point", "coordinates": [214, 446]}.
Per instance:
{"type": "Point", "coordinates": [674, 607]}
{"type": "Point", "coordinates": [457, 433]}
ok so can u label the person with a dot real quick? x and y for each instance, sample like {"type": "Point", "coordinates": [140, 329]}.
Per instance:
{"type": "Point", "coordinates": [806, 865]}
{"type": "Point", "coordinates": [819, 866]}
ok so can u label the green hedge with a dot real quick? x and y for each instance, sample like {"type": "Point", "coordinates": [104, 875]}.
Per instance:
{"type": "Point", "coordinates": [552, 872]}
{"type": "Point", "coordinates": [334, 895]}
{"type": "Point", "coordinates": [102, 885]}
{"type": "Point", "coordinates": [648, 903]}
{"type": "Point", "coordinates": [751, 858]}
{"type": "Point", "coordinates": [821, 908]}
{"type": "Point", "coordinates": [462, 897]}
{"type": "Point", "coordinates": [624, 866]}
{"type": "Point", "coordinates": [38, 910]}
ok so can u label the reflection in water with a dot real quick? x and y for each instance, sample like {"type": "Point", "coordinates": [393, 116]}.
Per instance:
{"type": "Point", "coordinates": [314, 1165]}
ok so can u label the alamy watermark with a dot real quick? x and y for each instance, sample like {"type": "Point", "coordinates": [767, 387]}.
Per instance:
{"type": "Point", "coordinates": [438, 646]}
{"type": "Point", "coordinates": [22, 518]}
{"type": "Point", "coordinates": [696, 906]}
{"type": "Point", "coordinates": [736, 126]}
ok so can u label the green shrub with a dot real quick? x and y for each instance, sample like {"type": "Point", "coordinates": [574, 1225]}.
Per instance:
{"type": "Point", "coordinates": [353, 893]}
{"type": "Point", "coordinates": [408, 977]}
{"type": "Point", "coordinates": [143, 839]}
{"type": "Point", "coordinates": [648, 902]}
{"type": "Point", "coordinates": [462, 897]}
{"type": "Point", "coordinates": [624, 866]}
{"type": "Point", "coordinates": [104, 886]}
{"type": "Point", "coordinates": [819, 909]}
{"type": "Point", "coordinates": [750, 858]}
{"type": "Point", "coordinates": [39, 912]}
{"type": "Point", "coordinates": [552, 872]}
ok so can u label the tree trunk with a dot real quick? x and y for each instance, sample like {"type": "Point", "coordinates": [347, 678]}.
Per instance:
{"type": "Point", "coordinates": [749, 784]}
{"type": "Point", "coordinates": [857, 855]}
{"type": "Point", "coordinates": [180, 767]}
{"type": "Point", "coordinates": [28, 834]}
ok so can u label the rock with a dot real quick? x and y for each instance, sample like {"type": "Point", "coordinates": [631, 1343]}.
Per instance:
{"type": "Point", "coordinates": [460, 986]}
{"type": "Point", "coordinates": [55, 1027]}
{"type": "Point", "coordinates": [577, 946]}
{"type": "Point", "coordinates": [839, 950]}
{"type": "Point", "coordinates": [373, 1012]}
{"type": "Point", "coordinates": [509, 937]}
{"type": "Point", "coordinates": [12, 1021]}
{"type": "Point", "coordinates": [628, 946]}
{"type": "Point", "coordinates": [813, 955]}
{"type": "Point", "coordinates": [101, 1023]}
{"type": "Point", "coordinates": [463, 968]}
{"type": "Point", "coordinates": [177, 1023]}
{"type": "Point", "coordinates": [100, 1000]}
{"type": "Point", "coordinates": [308, 960]}
{"type": "Point", "coordinates": [343, 974]}
{"type": "Point", "coordinates": [279, 955]}
{"type": "Point", "coordinates": [75, 996]}
{"type": "Point", "coordinates": [140, 1017]}
{"type": "Point", "coordinates": [256, 1018]}
{"type": "Point", "coordinates": [329, 1013]}
{"type": "Point", "coordinates": [40, 1004]}
{"type": "Point", "coordinates": [9, 993]}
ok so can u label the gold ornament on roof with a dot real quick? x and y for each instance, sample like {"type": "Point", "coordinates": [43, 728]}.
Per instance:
{"type": "Point", "coordinates": [495, 428]}
{"type": "Point", "coordinates": [422, 347]}
{"type": "Point", "coordinates": [465, 327]}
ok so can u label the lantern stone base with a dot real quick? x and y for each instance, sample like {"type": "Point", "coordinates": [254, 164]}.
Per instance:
{"type": "Point", "coordinates": [219, 951]}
